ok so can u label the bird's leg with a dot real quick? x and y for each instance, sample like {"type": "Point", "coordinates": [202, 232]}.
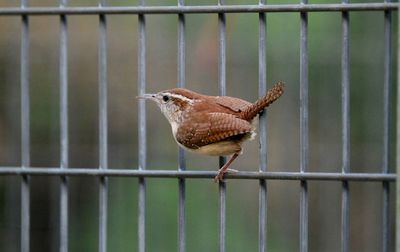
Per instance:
{"type": "Point", "coordinates": [223, 169]}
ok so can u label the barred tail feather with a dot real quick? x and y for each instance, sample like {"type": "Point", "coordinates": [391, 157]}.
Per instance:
{"type": "Point", "coordinates": [272, 95]}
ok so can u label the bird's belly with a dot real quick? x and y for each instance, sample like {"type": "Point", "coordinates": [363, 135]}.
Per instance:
{"type": "Point", "coordinates": [222, 148]}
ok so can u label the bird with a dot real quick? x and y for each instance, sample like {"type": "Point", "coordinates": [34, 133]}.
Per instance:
{"type": "Point", "coordinates": [212, 125]}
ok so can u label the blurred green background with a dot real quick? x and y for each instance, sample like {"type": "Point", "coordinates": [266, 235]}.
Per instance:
{"type": "Point", "coordinates": [366, 70]}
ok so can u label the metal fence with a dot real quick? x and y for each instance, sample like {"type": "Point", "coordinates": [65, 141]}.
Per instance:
{"type": "Point", "coordinates": [25, 12]}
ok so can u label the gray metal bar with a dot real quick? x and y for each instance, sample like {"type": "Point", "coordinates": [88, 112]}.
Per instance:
{"type": "Point", "coordinates": [222, 91]}
{"type": "Point", "coordinates": [181, 47]}
{"type": "Point", "coordinates": [222, 214]}
{"type": "Point", "coordinates": [181, 204]}
{"type": "Point", "coordinates": [103, 130]}
{"type": "Point", "coordinates": [142, 130]}
{"type": "Point", "coordinates": [199, 9]}
{"type": "Point", "coordinates": [397, 247]}
{"type": "Point", "coordinates": [222, 52]}
{"type": "Point", "coordinates": [181, 153]}
{"type": "Point", "coordinates": [25, 132]}
{"type": "Point", "coordinates": [141, 173]}
{"type": "Point", "coordinates": [63, 246]}
{"type": "Point", "coordinates": [345, 128]}
{"type": "Point", "coordinates": [262, 89]}
{"type": "Point", "coordinates": [304, 149]}
{"type": "Point", "coordinates": [387, 79]}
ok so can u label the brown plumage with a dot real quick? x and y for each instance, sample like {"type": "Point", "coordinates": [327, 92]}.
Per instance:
{"type": "Point", "coordinates": [254, 109]}
{"type": "Point", "coordinates": [212, 125]}
{"type": "Point", "coordinates": [211, 128]}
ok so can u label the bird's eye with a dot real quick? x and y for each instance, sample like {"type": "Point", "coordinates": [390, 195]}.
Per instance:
{"type": "Point", "coordinates": [165, 98]}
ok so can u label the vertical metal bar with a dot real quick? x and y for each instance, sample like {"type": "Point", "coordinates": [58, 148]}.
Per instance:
{"type": "Point", "coordinates": [64, 129]}
{"type": "Point", "coordinates": [222, 51]}
{"type": "Point", "coordinates": [345, 128]}
{"type": "Point", "coordinates": [262, 89]}
{"type": "Point", "coordinates": [387, 79]}
{"type": "Point", "coordinates": [181, 47]}
{"type": "Point", "coordinates": [181, 153]}
{"type": "Point", "coordinates": [25, 132]}
{"type": "Point", "coordinates": [142, 131]}
{"type": "Point", "coordinates": [304, 150]}
{"type": "Point", "coordinates": [222, 91]}
{"type": "Point", "coordinates": [398, 141]}
{"type": "Point", "coordinates": [103, 129]}
{"type": "Point", "coordinates": [222, 210]}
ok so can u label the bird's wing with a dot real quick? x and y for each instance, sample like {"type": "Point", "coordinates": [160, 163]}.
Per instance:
{"type": "Point", "coordinates": [208, 128]}
{"type": "Point", "coordinates": [232, 103]}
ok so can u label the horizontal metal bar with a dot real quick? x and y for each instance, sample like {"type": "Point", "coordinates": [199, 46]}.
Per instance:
{"type": "Point", "coordinates": [41, 171]}
{"type": "Point", "coordinates": [197, 9]}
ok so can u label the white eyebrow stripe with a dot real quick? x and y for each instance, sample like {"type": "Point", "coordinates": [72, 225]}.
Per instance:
{"type": "Point", "coordinates": [181, 97]}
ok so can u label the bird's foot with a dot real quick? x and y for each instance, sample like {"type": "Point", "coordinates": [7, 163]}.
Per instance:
{"type": "Point", "coordinates": [220, 176]}
{"type": "Point", "coordinates": [221, 173]}
{"type": "Point", "coordinates": [225, 168]}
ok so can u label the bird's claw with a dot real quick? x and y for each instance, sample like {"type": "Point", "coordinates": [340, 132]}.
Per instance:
{"type": "Point", "coordinates": [221, 173]}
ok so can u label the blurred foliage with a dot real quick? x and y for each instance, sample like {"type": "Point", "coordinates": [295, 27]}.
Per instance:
{"type": "Point", "coordinates": [366, 69]}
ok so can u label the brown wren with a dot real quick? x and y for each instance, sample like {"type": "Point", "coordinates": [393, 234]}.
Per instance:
{"type": "Point", "coordinates": [212, 125]}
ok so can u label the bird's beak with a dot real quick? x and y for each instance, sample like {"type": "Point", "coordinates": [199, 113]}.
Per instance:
{"type": "Point", "coordinates": [147, 97]}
